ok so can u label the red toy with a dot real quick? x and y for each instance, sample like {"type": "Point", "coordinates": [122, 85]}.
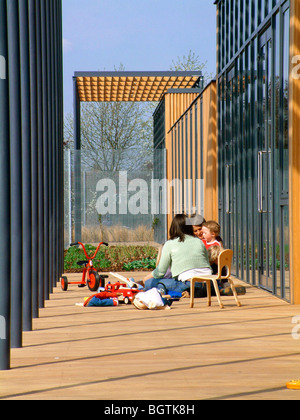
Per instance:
{"type": "Point", "coordinates": [90, 276]}
{"type": "Point", "coordinates": [101, 295]}
{"type": "Point", "coordinates": [125, 293]}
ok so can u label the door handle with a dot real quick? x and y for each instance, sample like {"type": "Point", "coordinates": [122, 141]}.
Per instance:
{"type": "Point", "coordinates": [260, 181]}
{"type": "Point", "coordinates": [227, 182]}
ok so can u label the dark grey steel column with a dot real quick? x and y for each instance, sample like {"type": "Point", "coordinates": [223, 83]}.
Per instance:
{"type": "Point", "coordinates": [77, 161]}
{"type": "Point", "coordinates": [51, 145]}
{"type": "Point", "coordinates": [46, 147]}
{"type": "Point", "coordinates": [16, 172]}
{"type": "Point", "coordinates": [40, 134]}
{"type": "Point", "coordinates": [34, 157]}
{"type": "Point", "coordinates": [56, 141]}
{"type": "Point", "coordinates": [60, 134]}
{"type": "Point", "coordinates": [4, 196]}
{"type": "Point", "coordinates": [26, 166]}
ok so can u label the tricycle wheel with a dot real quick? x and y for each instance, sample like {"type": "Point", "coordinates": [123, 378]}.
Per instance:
{"type": "Point", "coordinates": [64, 283]}
{"type": "Point", "coordinates": [94, 281]}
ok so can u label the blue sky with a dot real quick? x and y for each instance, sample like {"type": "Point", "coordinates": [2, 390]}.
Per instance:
{"type": "Point", "coordinates": [141, 34]}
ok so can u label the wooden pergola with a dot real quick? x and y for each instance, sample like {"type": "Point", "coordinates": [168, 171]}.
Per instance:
{"type": "Point", "coordinates": [121, 87]}
{"type": "Point", "coordinates": [131, 86]}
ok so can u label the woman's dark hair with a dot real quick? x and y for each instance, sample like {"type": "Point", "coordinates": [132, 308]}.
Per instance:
{"type": "Point", "coordinates": [179, 228]}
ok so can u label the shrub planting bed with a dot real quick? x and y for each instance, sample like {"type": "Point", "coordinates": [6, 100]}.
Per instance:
{"type": "Point", "coordinates": [113, 258]}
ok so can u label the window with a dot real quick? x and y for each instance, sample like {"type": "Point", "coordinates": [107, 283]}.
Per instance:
{"type": "Point", "coordinates": [286, 41]}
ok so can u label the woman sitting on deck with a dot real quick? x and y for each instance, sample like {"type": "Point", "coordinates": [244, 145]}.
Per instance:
{"type": "Point", "coordinates": [185, 255]}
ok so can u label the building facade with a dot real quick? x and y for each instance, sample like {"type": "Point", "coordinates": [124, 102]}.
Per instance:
{"type": "Point", "coordinates": [191, 150]}
{"type": "Point", "coordinates": [239, 136]}
{"type": "Point", "coordinates": [258, 149]}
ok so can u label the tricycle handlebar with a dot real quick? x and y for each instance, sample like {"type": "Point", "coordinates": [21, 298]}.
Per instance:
{"type": "Point", "coordinates": [78, 243]}
{"type": "Point", "coordinates": [84, 250]}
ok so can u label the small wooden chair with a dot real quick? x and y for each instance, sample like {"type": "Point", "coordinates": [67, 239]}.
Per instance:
{"type": "Point", "coordinates": [159, 255]}
{"type": "Point", "coordinates": [224, 260]}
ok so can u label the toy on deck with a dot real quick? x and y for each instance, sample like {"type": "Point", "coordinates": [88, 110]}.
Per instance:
{"type": "Point", "coordinates": [112, 294]}
{"type": "Point", "coordinates": [102, 299]}
{"type": "Point", "coordinates": [127, 289]}
{"type": "Point", "coordinates": [90, 276]}
{"type": "Point", "coordinates": [153, 299]}
{"type": "Point", "coordinates": [295, 384]}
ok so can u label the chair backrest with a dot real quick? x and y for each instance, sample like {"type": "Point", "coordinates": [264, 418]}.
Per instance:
{"type": "Point", "coordinates": [159, 255]}
{"type": "Point", "coordinates": [225, 260]}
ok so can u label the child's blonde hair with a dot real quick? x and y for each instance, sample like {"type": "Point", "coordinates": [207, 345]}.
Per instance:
{"type": "Point", "coordinates": [214, 252]}
{"type": "Point", "coordinates": [213, 226]}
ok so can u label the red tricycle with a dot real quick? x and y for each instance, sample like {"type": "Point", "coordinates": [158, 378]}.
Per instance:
{"type": "Point", "coordinates": [90, 276]}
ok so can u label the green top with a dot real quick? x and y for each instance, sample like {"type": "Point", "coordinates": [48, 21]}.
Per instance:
{"type": "Point", "coordinates": [182, 256]}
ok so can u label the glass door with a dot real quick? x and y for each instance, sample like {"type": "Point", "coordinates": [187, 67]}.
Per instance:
{"type": "Point", "coordinates": [265, 163]}
{"type": "Point", "coordinates": [230, 157]}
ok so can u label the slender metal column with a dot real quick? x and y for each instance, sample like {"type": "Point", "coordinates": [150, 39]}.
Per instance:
{"type": "Point", "coordinates": [34, 157]}
{"type": "Point", "coordinates": [60, 156]}
{"type": "Point", "coordinates": [5, 287]}
{"type": "Point", "coordinates": [56, 142]}
{"type": "Point", "coordinates": [26, 166]}
{"type": "Point", "coordinates": [16, 172]}
{"type": "Point", "coordinates": [77, 162]}
{"type": "Point", "coordinates": [61, 132]}
{"type": "Point", "coordinates": [56, 139]}
{"type": "Point", "coordinates": [60, 135]}
{"type": "Point", "coordinates": [46, 146]}
{"type": "Point", "coordinates": [40, 133]}
{"type": "Point", "coordinates": [50, 140]}
{"type": "Point", "coordinates": [52, 147]}
{"type": "Point", "coordinates": [31, 162]}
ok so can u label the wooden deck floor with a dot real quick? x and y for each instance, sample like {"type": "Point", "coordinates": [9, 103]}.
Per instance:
{"type": "Point", "coordinates": [184, 354]}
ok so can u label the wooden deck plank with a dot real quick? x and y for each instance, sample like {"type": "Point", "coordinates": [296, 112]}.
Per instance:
{"type": "Point", "coordinates": [182, 354]}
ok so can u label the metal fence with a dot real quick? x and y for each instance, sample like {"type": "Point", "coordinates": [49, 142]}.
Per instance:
{"type": "Point", "coordinates": [118, 206]}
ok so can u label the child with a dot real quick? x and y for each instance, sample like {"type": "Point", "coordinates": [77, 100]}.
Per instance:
{"type": "Point", "coordinates": [211, 234]}
{"type": "Point", "coordinates": [213, 253]}
{"type": "Point", "coordinates": [225, 289]}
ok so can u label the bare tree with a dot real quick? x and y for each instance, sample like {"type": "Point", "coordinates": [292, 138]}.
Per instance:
{"type": "Point", "coordinates": [119, 135]}
{"type": "Point", "coordinates": [114, 135]}
{"type": "Point", "coordinates": [190, 62]}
